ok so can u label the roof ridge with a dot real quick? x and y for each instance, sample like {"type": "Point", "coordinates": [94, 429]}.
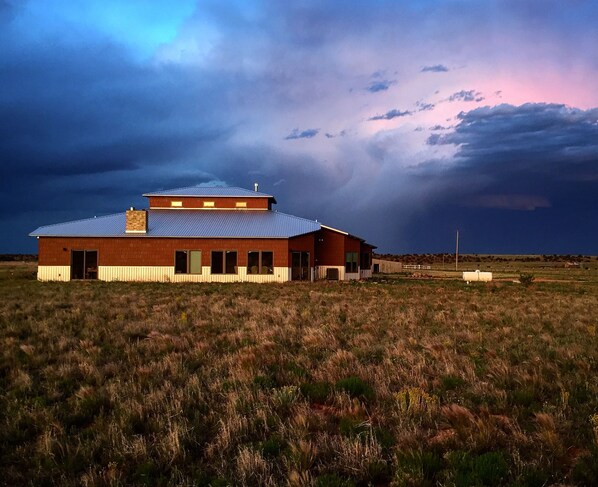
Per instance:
{"type": "Point", "coordinates": [192, 186]}
{"type": "Point", "coordinates": [297, 217]}
{"type": "Point", "coordinates": [172, 191]}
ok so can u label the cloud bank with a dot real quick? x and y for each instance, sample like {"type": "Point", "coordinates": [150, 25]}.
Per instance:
{"type": "Point", "coordinates": [93, 113]}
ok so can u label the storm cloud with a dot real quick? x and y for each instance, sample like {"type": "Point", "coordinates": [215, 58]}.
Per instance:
{"type": "Point", "coordinates": [383, 85]}
{"type": "Point", "coordinates": [302, 134]}
{"type": "Point", "coordinates": [437, 68]}
{"type": "Point", "coordinates": [535, 158]}
{"type": "Point", "coordinates": [394, 113]}
{"type": "Point", "coordinates": [466, 95]}
{"type": "Point", "coordinates": [99, 105]}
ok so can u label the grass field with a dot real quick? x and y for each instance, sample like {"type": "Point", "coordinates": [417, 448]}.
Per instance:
{"type": "Point", "coordinates": [396, 381]}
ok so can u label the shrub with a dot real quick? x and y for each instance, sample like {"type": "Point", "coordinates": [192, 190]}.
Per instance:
{"type": "Point", "coordinates": [526, 279]}
{"type": "Point", "coordinates": [285, 397]}
{"type": "Point", "coordinates": [413, 401]}
{"type": "Point", "coordinates": [356, 387]}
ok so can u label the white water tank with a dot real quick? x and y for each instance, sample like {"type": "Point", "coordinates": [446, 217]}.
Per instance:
{"type": "Point", "coordinates": [477, 276]}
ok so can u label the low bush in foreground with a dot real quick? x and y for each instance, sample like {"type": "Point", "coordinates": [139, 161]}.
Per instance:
{"type": "Point", "coordinates": [420, 383]}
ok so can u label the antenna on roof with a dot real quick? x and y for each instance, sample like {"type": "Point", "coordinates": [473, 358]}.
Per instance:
{"type": "Point", "coordinates": [255, 187]}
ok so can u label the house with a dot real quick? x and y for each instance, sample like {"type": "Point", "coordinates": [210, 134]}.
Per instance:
{"type": "Point", "coordinates": [201, 234]}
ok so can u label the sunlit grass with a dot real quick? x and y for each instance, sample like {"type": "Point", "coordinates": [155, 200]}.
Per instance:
{"type": "Point", "coordinates": [404, 382]}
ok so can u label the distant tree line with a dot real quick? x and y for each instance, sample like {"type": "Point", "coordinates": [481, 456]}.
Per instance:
{"type": "Point", "coordinates": [18, 257]}
{"type": "Point", "coordinates": [447, 258]}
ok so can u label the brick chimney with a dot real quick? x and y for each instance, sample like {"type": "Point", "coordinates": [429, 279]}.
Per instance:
{"type": "Point", "coordinates": [136, 221]}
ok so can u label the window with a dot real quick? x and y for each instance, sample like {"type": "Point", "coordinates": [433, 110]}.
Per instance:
{"type": "Point", "coordinates": [177, 204]}
{"type": "Point", "coordinates": [187, 262]}
{"type": "Point", "coordinates": [366, 260]}
{"type": "Point", "coordinates": [241, 204]}
{"type": "Point", "coordinates": [224, 262]}
{"type": "Point", "coordinates": [208, 204]}
{"type": "Point", "coordinates": [261, 262]}
{"type": "Point", "coordinates": [351, 262]}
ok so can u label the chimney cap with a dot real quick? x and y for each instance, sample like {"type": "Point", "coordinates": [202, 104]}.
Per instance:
{"type": "Point", "coordinates": [132, 208]}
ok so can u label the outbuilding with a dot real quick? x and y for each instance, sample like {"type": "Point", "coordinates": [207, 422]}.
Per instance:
{"type": "Point", "coordinates": [201, 234]}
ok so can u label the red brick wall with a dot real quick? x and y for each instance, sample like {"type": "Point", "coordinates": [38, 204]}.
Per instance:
{"type": "Point", "coordinates": [144, 251]}
{"type": "Point", "coordinates": [330, 247]}
{"type": "Point", "coordinates": [219, 202]}
{"type": "Point", "coordinates": [352, 244]}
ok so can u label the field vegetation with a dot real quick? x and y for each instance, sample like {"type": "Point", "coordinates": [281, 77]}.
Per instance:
{"type": "Point", "coordinates": [396, 381]}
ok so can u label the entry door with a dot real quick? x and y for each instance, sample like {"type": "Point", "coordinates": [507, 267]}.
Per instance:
{"type": "Point", "coordinates": [300, 266]}
{"type": "Point", "coordinates": [84, 264]}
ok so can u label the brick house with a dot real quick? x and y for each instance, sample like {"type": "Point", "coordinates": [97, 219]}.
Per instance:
{"type": "Point", "coordinates": [201, 234]}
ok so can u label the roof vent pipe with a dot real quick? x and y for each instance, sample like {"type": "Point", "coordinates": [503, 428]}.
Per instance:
{"type": "Point", "coordinates": [255, 187]}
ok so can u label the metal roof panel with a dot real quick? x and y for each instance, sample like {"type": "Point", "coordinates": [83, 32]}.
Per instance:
{"type": "Point", "coordinates": [189, 223]}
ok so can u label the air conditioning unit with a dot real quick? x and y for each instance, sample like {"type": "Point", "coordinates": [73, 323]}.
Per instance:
{"type": "Point", "coordinates": [332, 274]}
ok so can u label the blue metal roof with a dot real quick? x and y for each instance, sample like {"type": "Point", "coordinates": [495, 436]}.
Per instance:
{"type": "Point", "coordinates": [189, 223]}
{"type": "Point", "coordinates": [211, 191]}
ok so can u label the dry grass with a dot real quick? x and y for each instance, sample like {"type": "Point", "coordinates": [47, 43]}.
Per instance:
{"type": "Point", "coordinates": [397, 383]}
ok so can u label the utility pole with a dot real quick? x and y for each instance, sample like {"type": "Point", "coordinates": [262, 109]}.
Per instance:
{"type": "Point", "coordinates": [457, 253]}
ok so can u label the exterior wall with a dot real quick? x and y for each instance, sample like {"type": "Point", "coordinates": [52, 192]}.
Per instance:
{"type": "Point", "coordinates": [147, 251]}
{"type": "Point", "coordinates": [388, 266]}
{"type": "Point", "coordinates": [330, 248]}
{"type": "Point", "coordinates": [321, 271]}
{"type": "Point", "coordinates": [365, 273]}
{"type": "Point", "coordinates": [54, 272]}
{"type": "Point", "coordinates": [342, 275]}
{"type": "Point", "coordinates": [140, 258]}
{"type": "Point", "coordinates": [253, 203]}
{"type": "Point", "coordinates": [352, 244]}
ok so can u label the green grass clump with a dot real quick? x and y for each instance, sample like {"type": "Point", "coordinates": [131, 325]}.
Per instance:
{"type": "Point", "coordinates": [418, 468]}
{"type": "Point", "coordinates": [333, 480]}
{"type": "Point", "coordinates": [316, 392]}
{"type": "Point", "coordinates": [355, 387]}
{"type": "Point", "coordinates": [489, 469]}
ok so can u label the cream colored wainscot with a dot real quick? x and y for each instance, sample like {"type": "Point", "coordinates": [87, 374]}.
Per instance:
{"type": "Point", "coordinates": [167, 274]}
{"type": "Point", "coordinates": [54, 273]}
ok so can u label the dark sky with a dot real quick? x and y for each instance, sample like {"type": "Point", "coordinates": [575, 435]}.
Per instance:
{"type": "Point", "coordinates": [400, 122]}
